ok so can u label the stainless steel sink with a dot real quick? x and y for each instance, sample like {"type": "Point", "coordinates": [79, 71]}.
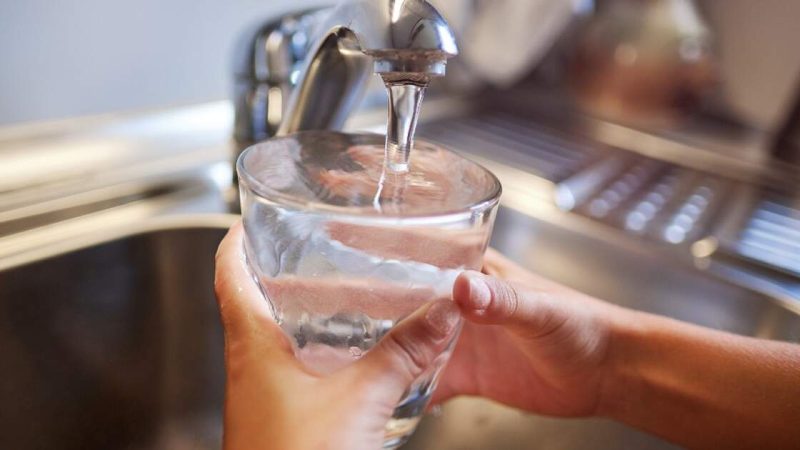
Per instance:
{"type": "Point", "coordinates": [109, 331]}
{"type": "Point", "coordinates": [118, 344]}
{"type": "Point", "coordinates": [114, 346]}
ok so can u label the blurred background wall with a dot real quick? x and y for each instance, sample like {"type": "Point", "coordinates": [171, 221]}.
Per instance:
{"type": "Point", "coordinates": [76, 57]}
{"type": "Point", "coordinates": [758, 49]}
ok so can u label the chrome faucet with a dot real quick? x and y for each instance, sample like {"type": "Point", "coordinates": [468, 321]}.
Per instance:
{"type": "Point", "coordinates": [308, 70]}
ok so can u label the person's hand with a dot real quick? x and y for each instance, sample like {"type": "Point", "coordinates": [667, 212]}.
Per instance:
{"type": "Point", "coordinates": [529, 342]}
{"type": "Point", "coordinates": [538, 346]}
{"type": "Point", "coordinates": [272, 401]}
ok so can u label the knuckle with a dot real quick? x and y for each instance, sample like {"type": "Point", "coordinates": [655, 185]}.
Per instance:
{"type": "Point", "coordinates": [221, 289]}
{"type": "Point", "coordinates": [222, 294]}
{"type": "Point", "coordinates": [507, 299]}
{"type": "Point", "coordinates": [218, 253]}
{"type": "Point", "coordinates": [551, 319]}
{"type": "Point", "coordinates": [219, 286]}
{"type": "Point", "coordinates": [513, 300]}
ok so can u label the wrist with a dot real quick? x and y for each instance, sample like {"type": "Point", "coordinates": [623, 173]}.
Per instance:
{"type": "Point", "coordinates": [622, 382]}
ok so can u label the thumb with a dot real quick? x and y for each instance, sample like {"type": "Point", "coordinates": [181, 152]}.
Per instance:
{"type": "Point", "coordinates": [485, 299]}
{"type": "Point", "coordinates": [409, 349]}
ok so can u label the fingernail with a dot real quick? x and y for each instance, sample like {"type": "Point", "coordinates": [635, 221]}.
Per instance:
{"type": "Point", "coordinates": [443, 317]}
{"type": "Point", "coordinates": [479, 292]}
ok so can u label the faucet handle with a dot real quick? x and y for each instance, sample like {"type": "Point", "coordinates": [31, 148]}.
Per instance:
{"type": "Point", "coordinates": [266, 65]}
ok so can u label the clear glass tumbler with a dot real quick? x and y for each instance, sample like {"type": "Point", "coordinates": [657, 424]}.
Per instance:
{"type": "Point", "coordinates": [344, 249]}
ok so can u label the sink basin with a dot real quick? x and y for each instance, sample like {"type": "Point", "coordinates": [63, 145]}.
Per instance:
{"type": "Point", "coordinates": [118, 345]}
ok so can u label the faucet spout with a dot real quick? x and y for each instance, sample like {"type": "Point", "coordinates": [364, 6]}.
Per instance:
{"type": "Point", "coordinates": [405, 40]}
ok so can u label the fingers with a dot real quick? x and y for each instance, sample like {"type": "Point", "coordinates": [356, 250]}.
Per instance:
{"type": "Point", "coordinates": [488, 300]}
{"type": "Point", "coordinates": [411, 348]}
{"type": "Point", "coordinates": [243, 309]}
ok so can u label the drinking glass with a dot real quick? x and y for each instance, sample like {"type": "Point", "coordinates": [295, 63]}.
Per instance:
{"type": "Point", "coordinates": [344, 248]}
